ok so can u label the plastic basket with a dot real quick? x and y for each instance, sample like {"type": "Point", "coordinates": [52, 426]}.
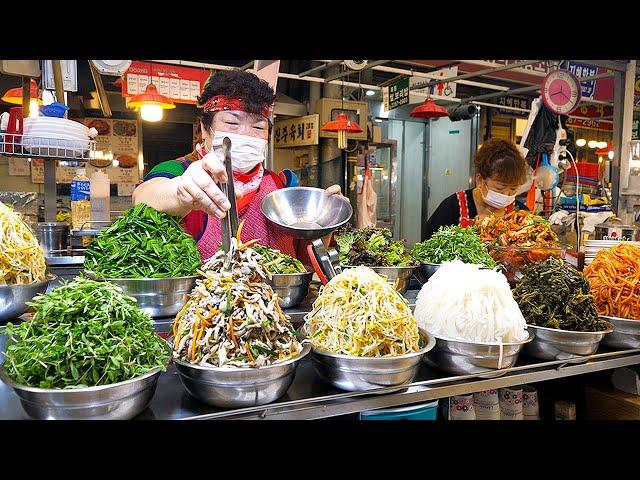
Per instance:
{"type": "Point", "coordinates": [425, 411]}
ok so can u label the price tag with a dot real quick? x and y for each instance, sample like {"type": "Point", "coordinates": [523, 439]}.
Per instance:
{"type": "Point", "coordinates": [126, 189]}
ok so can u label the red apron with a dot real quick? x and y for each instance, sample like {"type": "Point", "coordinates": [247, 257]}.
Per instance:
{"type": "Point", "coordinates": [465, 221]}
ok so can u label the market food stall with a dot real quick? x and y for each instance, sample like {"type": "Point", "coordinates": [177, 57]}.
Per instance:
{"type": "Point", "coordinates": [148, 328]}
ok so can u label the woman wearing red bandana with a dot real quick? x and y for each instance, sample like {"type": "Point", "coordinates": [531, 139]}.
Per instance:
{"type": "Point", "coordinates": [237, 105]}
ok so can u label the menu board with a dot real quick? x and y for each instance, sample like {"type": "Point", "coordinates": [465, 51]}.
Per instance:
{"type": "Point", "coordinates": [120, 137]}
{"type": "Point", "coordinates": [19, 167]}
{"type": "Point", "coordinates": [65, 174]}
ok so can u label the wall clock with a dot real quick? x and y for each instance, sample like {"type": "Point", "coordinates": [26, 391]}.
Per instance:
{"type": "Point", "coordinates": [561, 91]}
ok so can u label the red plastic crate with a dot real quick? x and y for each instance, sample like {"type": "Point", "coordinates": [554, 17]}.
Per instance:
{"type": "Point", "coordinates": [585, 169]}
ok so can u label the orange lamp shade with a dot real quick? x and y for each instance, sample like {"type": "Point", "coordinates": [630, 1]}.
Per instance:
{"type": "Point", "coordinates": [14, 95]}
{"type": "Point", "coordinates": [603, 151]}
{"type": "Point", "coordinates": [429, 109]}
{"type": "Point", "coordinates": [150, 96]}
{"type": "Point", "coordinates": [342, 125]}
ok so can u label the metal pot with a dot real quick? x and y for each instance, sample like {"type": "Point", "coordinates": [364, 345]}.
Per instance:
{"type": "Point", "coordinates": [52, 236]}
{"type": "Point", "coordinates": [614, 230]}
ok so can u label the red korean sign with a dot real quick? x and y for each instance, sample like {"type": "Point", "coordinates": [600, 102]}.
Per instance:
{"type": "Point", "coordinates": [180, 84]}
{"type": "Point", "coordinates": [589, 123]}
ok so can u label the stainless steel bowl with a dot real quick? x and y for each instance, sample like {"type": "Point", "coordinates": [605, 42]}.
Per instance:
{"type": "Point", "coordinates": [355, 374]}
{"type": "Point", "coordinates": [306, 212]}
{"type": "Point", "coordinates": [425, 270]}
{"type": "Point", "coordinates": [555, 344]}
{"type": "Point", "coordinates": [158, 297]}
{"type": "Point", "coordinates": [465, 358]}
{"type": "Point", "coordinates": [238, 387]}
{"type": "Point", "coordinates": [119, 401]}
{"type": "Point", "coordinates": [13, 298]}
{"type": "Point", "coordinates": [292, 288]}
{"type": "Point", "coordinates": [400, 277]}
{"type": "Point", "coordinates": [626, 333]}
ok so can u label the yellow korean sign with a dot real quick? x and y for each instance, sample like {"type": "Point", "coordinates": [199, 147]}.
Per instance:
{"type": "Point", "coordinates": [296, 132]}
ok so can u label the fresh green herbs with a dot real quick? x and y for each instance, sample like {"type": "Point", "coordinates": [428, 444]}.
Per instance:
{"type": "Point", "coordinates": [371, 246]}
{"type": "Point", "coordinates": [554, 294]}
{"type": "Point", "coordinates": [453, 242]}
{"type": "Point", "coordinates": [84, 333]}
{"type": "Point", "coordinates": [144, 243]}
{"type": "Point", "coordinates": [277, 262]}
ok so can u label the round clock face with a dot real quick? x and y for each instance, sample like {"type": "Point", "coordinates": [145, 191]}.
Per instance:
{"type": "Point", "coordinates": [561, 91]}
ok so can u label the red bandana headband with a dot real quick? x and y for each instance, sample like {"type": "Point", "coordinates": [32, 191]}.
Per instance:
{"type": "Point", "coordinates": [222, 102]}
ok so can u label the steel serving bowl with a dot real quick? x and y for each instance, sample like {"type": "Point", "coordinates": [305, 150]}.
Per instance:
{"type": "Point", "coordinates": [400, 277]}
{"type": "Point", "coordinates": [292, 288]}
{"type": "Point", "coordinates": [626, 333]}
{"type": "Point", "coordinates": [158, 297]}
{"type": "Point", "coordinates": [424, 271]}
{"type": "Point", "coordinates": [351, 373]}
{"type": "Point", "coordinates": [464, 358]}
{"type": "Point", "coordinates": [238, 387]}
{"type": "Point", "coordinates": [556, 344]}
{"type": "Point", "coordinates": [118, 401]}
{"type": "Point", "coordinates": [306, 212]}
{"type": "Point", "coordinates": [13, 298]}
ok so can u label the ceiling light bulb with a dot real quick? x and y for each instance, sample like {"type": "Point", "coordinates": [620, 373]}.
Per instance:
{"type": "Point", "coordinates": [151, 113]}
{"type": "Point", "coordinates": [592, 144]}
{"type": "Point", "coordinates": [602, 144]}
{"type": "Point", "coordinates": [370, 93]}
{"type": "Point", "coordinates": [610, 154]}
{"type": "Point", "coordinates": [581, 142]}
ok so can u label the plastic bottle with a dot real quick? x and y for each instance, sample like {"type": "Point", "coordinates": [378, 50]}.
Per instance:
{"type": "Point", "coordinates": [80, 203]}
{"type": "Point", "coordinates": [100, 197]}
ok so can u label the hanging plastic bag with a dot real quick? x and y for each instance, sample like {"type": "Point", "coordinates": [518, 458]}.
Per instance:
{"type": "Point", "coordinates": [367, 202]}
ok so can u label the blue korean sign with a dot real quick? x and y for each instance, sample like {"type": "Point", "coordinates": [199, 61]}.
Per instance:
{"type": "Point", "coordinates": [583, 70]}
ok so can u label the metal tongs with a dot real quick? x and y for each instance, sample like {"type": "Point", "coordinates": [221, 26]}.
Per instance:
{"type": "Point", "coordinates": [230, 221]}
{"type": "Point", "coordinates": [325, 261]}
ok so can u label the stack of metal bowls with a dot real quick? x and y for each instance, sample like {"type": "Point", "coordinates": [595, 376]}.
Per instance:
{"type": "Point", "coordinates": [556, 344]}
{"type": "Point", "coordinates": [306, 212]}
{"type": "Point", "coordinates": [14, 298]}
{"type": "Point", "coordinates": [158, 297]}
{"type": "Point", "coordinates": [465, 358]}
{"type": "Point", "coordinates": [425, 270]}
{"type": "Point", "coordinates": [626, 333]}
{"type": "Point", "coordinates": [292, 288]}
{"type": "Point", "coordinates": [351, 373]}
{"type": "Point", "coordinates": [238, 387]}
{"type": "Point", "coordinates": [400, 277]}
{"type": "Point", "coordinates": [119, 401]}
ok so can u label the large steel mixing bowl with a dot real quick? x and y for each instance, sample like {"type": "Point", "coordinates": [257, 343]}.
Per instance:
{"type": "Point", "coordinates": [14, 298]}
{"type": "Point", "coordinates": [306, 212]}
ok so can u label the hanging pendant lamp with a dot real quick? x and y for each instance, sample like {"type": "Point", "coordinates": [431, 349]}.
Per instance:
{"type": "Point", "coordinates": [14, 96]}
{"type": "Point", "coordinates": [429, 109]}
{"type": "Point", "coordinates": [342, 125]}
{"type": "Point", "coordinates": [151, 103]}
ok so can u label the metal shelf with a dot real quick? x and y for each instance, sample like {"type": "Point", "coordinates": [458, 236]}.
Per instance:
{"type": "Point", "coordinates": [27, 146]}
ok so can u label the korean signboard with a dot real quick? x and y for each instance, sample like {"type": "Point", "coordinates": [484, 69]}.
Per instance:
{"type": "Point", "coordinates": [516, 102]}
{"type": "Point", "coordinates": [635, 133]}
{"type": "Point", "coordinates": [593, 124]}
{"type": "Point", "coordinates": [582, 70]}
{"type": "Point", "coordinates": [180, 84]}
{"type": "Point", "coordinates": [396, 94]}
{"type": "Point", "coordinates": [296, 132]}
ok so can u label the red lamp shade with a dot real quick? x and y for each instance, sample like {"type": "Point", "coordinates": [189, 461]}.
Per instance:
{"type": "Point", "coordinates": [429, 109]}
{"type": "Point", "coordinates": [342, 123]}
{"type": "Point", "coordinates": [150, 96]}
{"type": "Point", "coordinates": [604, 151]}
{"type": "Point", "coordinates": [14, 95]}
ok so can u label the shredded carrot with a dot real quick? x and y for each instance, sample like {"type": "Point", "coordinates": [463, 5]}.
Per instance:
{"type": "Point", "coordinates": [248, 350]}
{"type": "Point", "coordinates": [239, 232]}
{"type": "Point", "coordinates": [233, 335]}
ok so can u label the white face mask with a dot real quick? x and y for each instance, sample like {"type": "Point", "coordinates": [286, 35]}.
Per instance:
{"type": "Point", "coordinates": [497, 199]}
{"type": "Point", "coordinates": [246, 151]}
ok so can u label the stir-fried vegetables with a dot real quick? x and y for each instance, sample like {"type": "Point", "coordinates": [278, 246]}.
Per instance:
{"type": "Point", "coordinates": [233, 317]}
{"type": "Point", "coordinates": [21, 258]}
{"type": "Point", "coordinates": [359, 313]}
{"type": "Point", "coordinates": [84, 333]}
{"type": "Point", "coordinates": [277, 262]}
{"type": "Point", "coordinates": [144, 243]}
{"type": "Point", "coordinates": [518, 228]}
{"type": "Point", "coordinates": [451, 243]}
{"type": "Point", "coordinates": [372, 247]}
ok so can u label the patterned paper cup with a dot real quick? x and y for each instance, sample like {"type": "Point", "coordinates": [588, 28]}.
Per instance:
{"type": "Point", "coordinates": [461, 408]}
{"type": "Point", "coordinates": [511, 403]}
